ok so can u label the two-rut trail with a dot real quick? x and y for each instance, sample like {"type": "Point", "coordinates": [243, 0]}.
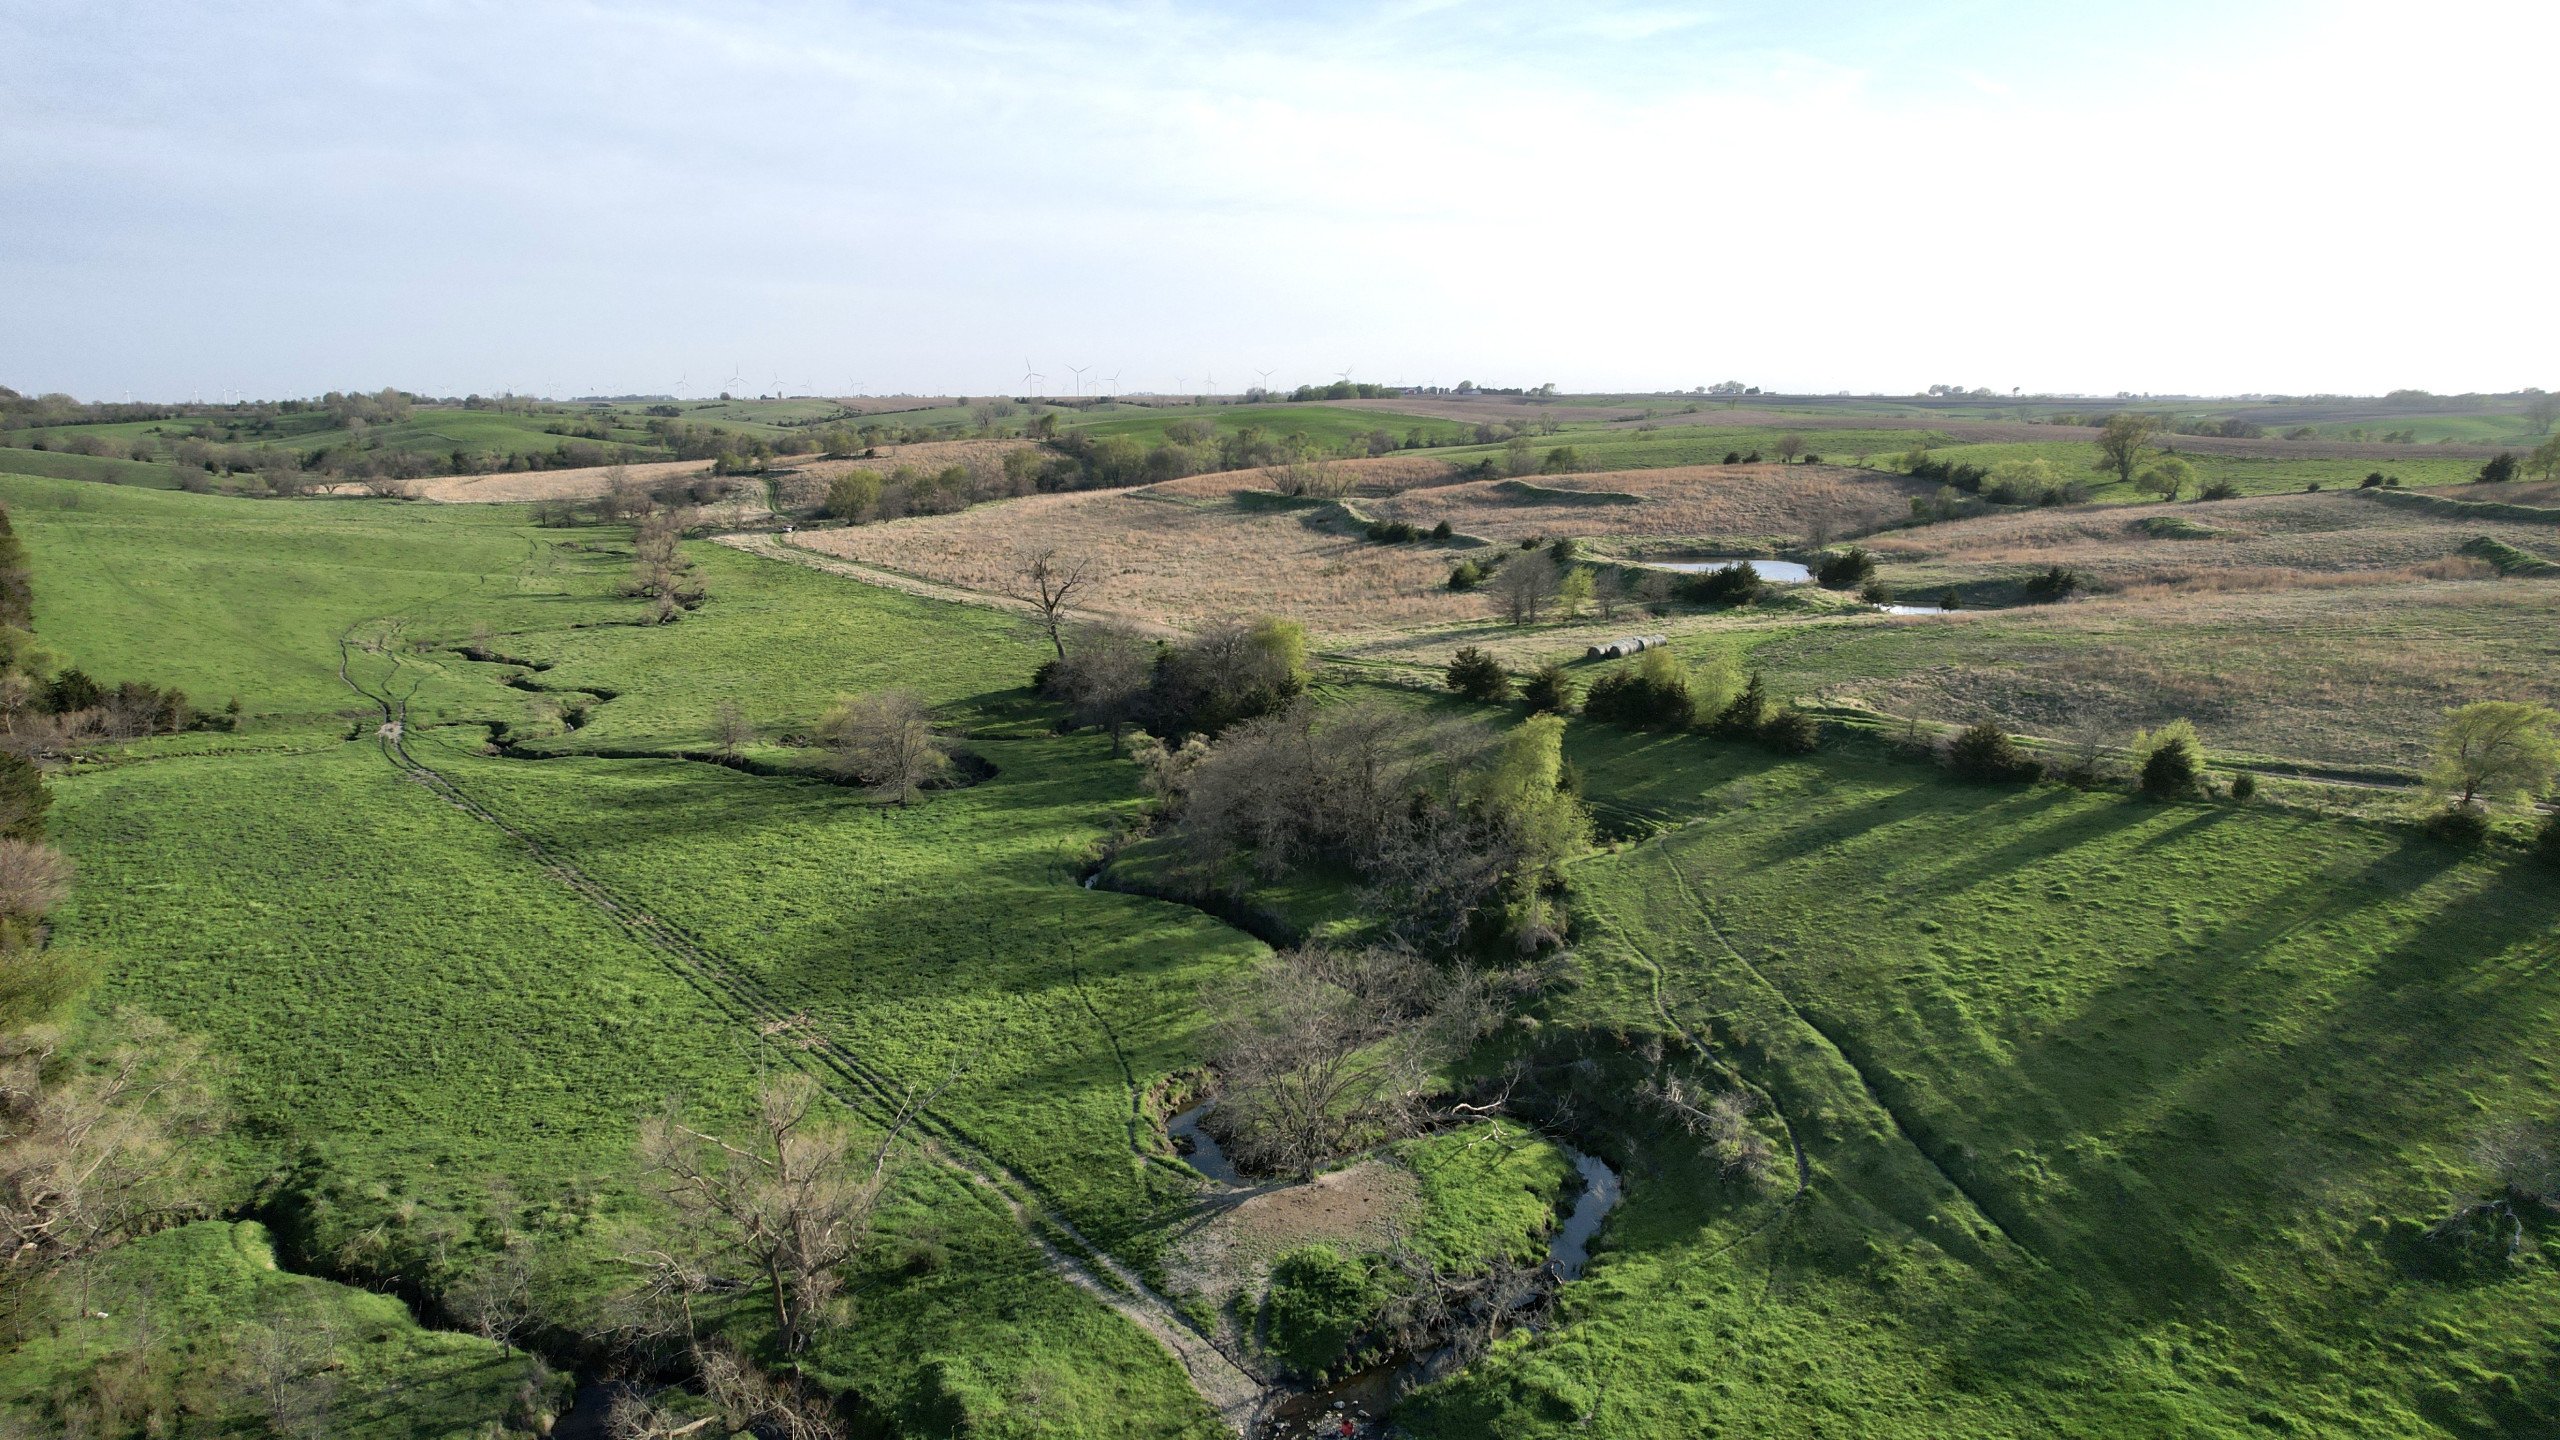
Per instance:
{"type": "Point", "coordinates": [1229, 1389]}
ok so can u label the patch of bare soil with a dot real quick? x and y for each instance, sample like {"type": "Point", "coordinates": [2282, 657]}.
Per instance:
{"type": "Point", "coordinates": [1228, 1253]}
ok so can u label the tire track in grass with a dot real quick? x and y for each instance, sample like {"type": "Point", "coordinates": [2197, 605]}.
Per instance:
{"type": "Point", "coordinates": [1706, 912]}
{"type": "Point", "coordinates": [1229, 1389]}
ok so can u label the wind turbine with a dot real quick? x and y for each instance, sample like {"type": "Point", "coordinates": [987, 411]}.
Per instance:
{"type": "Point", "coordinates": [1112, 382]}
{"type": "Point", "coordinates": [735, 370]}
{"type": "Point", "coordinates": [1028, 376]}
{"type": "Point", "coordinates": [1345, 375]}
{"type": "Point", "coordinates": [1078, 372]}
{"type": "Point", "coordinates": [1212, 384]}
{"type": "Point", "coordinates": [1265, 377]}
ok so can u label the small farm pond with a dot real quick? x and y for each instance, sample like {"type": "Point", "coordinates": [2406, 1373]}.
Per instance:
{"type": "Point", "coordinates": [1776, 572]}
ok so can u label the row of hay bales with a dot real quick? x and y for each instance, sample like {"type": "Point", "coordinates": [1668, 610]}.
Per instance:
{"type": "Point", "coordinates": [1632, 645]}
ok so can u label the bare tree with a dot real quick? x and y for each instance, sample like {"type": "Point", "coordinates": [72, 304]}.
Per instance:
{"type": "Point", "coordinates": [1320, 1046]}
{"type": "Point", "coordinates": [1104, 681]}
{"type": "Point", "coordinates": [284, 1366]}
{"type": "Point", "coordinates": [792, 1200]}
{"type": "Point", "coordinates": [1609, 591]}
{"type": "Point", "coordinates": [1790, 445]}
{"type": "Point", "coordinates": [33, 878]}
{"type": "Point", "coordinates": [744, 1400]}
{"type": "Point", "coordinates": [94, 1159]}
{"type": "Point", "coordinates": [1722, 1118]}
{"type": "Point", "coordinates": [886, 739]}
{"type": "Point", "coordinates": [496, 1301]}
{"type": "Point", "coordinates": [1049, 583]}
{"type": "Point", "coordinates": [730, 728]}
{"type": "Point", "coordinates": [1525, 587]}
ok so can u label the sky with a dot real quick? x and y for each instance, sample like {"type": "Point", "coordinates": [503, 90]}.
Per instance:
{"type": "Point", "coordinates": [210, 199]}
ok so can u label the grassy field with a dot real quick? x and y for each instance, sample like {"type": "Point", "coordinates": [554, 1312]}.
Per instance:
{"type": "Point", "coordinates": [201, 1319]}
{"type": "Point", "coordinates": [2120, 1118]}
{"type": "Point", "coordinates": [2115, 1118]}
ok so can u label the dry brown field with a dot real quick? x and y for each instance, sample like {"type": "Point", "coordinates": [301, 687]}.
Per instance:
{"type": "Point", "coordinates": [2345, 678]}
{"type": "Point", "coordinates": [804, 485]}
{"type": "Point", "coordinates": [1174, 561]}
{"type": "Point", "coordinates": [2268, 542]}
{"type": "Point", "coordinates": [518, 486]}
{"type": "Point", "coordinates": [1377, 475]}
{"type": "Point", "coordinates": [1732, 505]}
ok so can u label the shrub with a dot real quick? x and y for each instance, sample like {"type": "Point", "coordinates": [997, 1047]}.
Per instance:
{"type": "Point", "coordinates": [2171, 760]}
{"type": "Point", "coordinates": [1949, 600]}
{"type": "Point", "coordinates": [1748, 711]}
{"type": "Point", "coordinates": [1812, 459]}
{"type": "Point", "coordinates": [1478, 676]}
{"type": "Point", "coordinates": [1320, 1300]}
{"type": "Point", "coordinates": [2055, 583]}
{"type": "Point", "coordinates": [1393, 532]}
{"type": "Point", "coordinates": [1465, 576]}
{"type": "Point", "coordinates": [1651, 694]}
{"type": "Point", "coordinates": [2244, 787]}
{"type": "Point", "coordinates": [1549, 691]}
{"type": "Point", "coordinates": [1845, 569]}
{"type": "Point", "coordinates": [1565, 550]}
{"type": "Point", "coordinates": [1733, 457]}
{"type": "Point", "coordinates": [1735, 584]}
{"type": "Point", "coordinates": [1876, 592]}
{"type": "Point", "coordinates": [1791, 732]}
{"type": "Point", "coordinates": [1563, 460]}
{"type": "Point", "coordinates": [1751, 459]}
{"type": "Point", "coordinates": [2372, 481]}
{"type": "Point", "coordinates": [2458, 825]}
{"type": "Point", "coordinates": [1985, 752]}
{"type": "Point", "coordinates": [2218, 490]}
{"type": "Point", "coordinates": [1442, 531]}
{"type": "Point", "coordinates": [1532, 542]}
{"type": "Point", "coordinates": [2500, 469]}
{"type": "Point", "coordinates": [854, 496]}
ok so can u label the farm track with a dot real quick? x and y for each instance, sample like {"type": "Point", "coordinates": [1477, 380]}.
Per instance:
{"type": "Point", "coordinates": [1706, 913]}
{"type": "Point", "coordinates": [1227, 1387]}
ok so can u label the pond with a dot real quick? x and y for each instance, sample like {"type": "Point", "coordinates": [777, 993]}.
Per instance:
{"type": "Point", "coordinates": [1776, 572]}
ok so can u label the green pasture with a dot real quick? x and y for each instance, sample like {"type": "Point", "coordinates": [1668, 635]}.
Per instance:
{"type": "Point", "coordinates": [201, 1317]}
{"type": "Point", "coordinates": [96, 469]}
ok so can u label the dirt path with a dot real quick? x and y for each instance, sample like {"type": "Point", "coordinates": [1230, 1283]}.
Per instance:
{"type": "Point", "coordinates": [1223, 1385]}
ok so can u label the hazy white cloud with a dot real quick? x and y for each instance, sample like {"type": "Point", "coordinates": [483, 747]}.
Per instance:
{"type": "Point", "coordinates": [588, 197]}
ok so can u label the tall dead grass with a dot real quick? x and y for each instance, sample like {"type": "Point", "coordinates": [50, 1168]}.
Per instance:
{"type": "Point", "coordinates": [1172, 562]}
{"type": "Point", "coordinates": [1706, 503]}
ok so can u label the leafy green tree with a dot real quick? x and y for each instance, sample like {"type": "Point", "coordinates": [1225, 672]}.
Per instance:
{"type": "Point", "coordinates": [2171, 761]}
{"type": "Point", "coordinates": [1574, 591]}
{"type": "Point", "coordinates": [1478, 676]}
{"type": "Point", "coordinates": [2123, 441]}
{"type": "Point", "coordinates": [2545, 459]}
{"type": "Point", "coordinates": [2500, 469]}
{"type": "Point", "coordinates": [854, 496]}
{"type": "Point", "coordinates": [2493, 751]}
{"type": "Point", "coordinates": [1465, 576]}
{"type": "Point", "coordinates": [2168, 478]}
